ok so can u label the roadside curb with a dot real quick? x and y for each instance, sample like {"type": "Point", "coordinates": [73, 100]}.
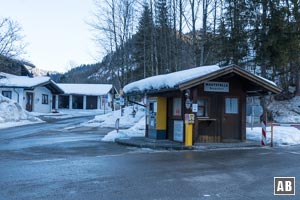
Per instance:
{"type": "Point", "coordinates": [152, 144]}
{"type": "Point", "coordinates": [142, 142]}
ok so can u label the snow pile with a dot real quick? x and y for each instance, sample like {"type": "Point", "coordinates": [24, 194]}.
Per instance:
{"type": "Point", "coordinates": [125, 121]}
{"type": "Point", "coordinates": [12, 114]}
{"type": "Point", "coordinates": [281, 136]}
{"type": "Point", "coordinates": [138, 130]}
{"type": "Point", "coordinates": [131, 124]}
{"type": "Point", "coordinates": [286, 111]}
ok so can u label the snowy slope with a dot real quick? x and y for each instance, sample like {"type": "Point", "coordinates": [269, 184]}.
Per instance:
{"type": "Point", "coordinates": [286, 111]}
{"type": "Point", "coordinates": [12, 114]}
{"type": "Point", "coordinates": [281, 135]}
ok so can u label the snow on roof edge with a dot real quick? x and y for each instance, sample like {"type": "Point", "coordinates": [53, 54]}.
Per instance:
{"type": "Point", "coordinates": [169, 81]}
{"type": "Point", "coordinates": [85, 89]}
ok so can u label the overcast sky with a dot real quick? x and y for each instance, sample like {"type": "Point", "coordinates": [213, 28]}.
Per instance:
{"type": "Point", "coordinates": [55, 30]}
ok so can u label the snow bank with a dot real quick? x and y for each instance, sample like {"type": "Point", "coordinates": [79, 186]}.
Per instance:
{"type": "Point", "coordinates": [12, 114]}
{"type": "Point", "coordinates": [286, 111]}
{"type": "Point", "coordinates": [126, 121]}
{"type": "Point", "coordinates": [135, 131]}
{"type": "Point", "coordinates": [129, 125]}
{"type": "Point", "coordinates": [281, 136]}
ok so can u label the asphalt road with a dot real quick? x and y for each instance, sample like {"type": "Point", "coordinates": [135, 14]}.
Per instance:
{"type": "Point", "coordinates": [62, 160]}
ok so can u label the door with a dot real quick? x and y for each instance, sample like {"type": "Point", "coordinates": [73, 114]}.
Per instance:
{"type": "Point", "coordinates": [231, 119]}
{"type": "Point", "coordinates": [152, 119]}
{"type": "Point", "coordinates": [29, 102]}
{"type": "Point", "coordinates": [53, 101]}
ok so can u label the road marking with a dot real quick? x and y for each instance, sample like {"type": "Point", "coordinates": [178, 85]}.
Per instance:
{"type": "Point", "coordinates": [112, 155]}
{"type": "Point", "coordinates": [49, 160]}
{"type": "Point", "coordinates": [293, 152]}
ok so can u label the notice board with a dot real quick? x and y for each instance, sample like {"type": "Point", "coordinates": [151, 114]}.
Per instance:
{"type": "Point", "coordinates": [178, 130]}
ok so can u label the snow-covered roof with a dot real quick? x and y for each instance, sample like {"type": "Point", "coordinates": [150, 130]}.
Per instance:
{"type": "Point", "coordinates": [86, 89]}
{"type": "Point", "coordinates": [9, 80]}
{"type": "Point", "coordinates": [189, 78]}
{"type": "Point", "coordinates": [168, 81]}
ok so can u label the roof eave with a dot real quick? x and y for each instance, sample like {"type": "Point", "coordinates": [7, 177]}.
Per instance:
{"type": "Point", "coordinates": [235, 69]}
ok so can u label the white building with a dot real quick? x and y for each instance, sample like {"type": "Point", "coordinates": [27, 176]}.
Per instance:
{"type": "Point", "coordinates": [84, 96]}
{"type": "Point", "coordinates": [33, 94]}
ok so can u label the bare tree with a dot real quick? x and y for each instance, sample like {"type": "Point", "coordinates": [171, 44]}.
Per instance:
{"type": "Point", "coordinates": [11, 39]}
{"type": "Point", "coordinates": [114, 27]}
{"type": "Point", "coordinates": [191, 22]}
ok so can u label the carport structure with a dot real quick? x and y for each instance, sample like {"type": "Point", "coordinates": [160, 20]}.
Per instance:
{"type": "Point", "coordinates": [84, 96]}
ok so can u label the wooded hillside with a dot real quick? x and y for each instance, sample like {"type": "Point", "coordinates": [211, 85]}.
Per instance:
{"type": "Point", "coordinates": [151, 37]}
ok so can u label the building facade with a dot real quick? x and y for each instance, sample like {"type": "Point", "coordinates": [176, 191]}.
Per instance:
{"type": "Point", "coordinates": [209, 101]}
{"type": "Point", "coordinates": [84, 96]}
{"type": "Point", "coordinates": [33, 94]}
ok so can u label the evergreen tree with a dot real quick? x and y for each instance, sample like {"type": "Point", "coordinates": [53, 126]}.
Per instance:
{"type": "Point", "coordinates": [163, 36]}
{"type": "Point", "coordinates": [144, 48]}
{"type": "Point", "coordinates": [235, 22]}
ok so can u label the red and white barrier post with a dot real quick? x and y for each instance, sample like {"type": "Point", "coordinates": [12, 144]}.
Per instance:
{"type": "Point", "coordinates": [264, 133]}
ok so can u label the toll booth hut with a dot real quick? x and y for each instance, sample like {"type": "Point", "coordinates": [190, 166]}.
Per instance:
{"type": "Point", "coordinates": [209, 101]}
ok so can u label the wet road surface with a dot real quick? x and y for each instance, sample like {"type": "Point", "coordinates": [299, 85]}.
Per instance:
{"type": "Point", "coordinates": [63, 160]}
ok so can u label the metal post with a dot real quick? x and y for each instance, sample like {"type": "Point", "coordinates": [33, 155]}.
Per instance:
{"type": "Point", "coordinates": [117, 125]}
{"type": "Point", "coordinates": [271, 134]}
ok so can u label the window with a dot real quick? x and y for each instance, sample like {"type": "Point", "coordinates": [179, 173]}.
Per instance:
{"type": "Point", "coordinates": [44, 99]}
{"type": "Point", "coordinates": [202, 107]}
{"type": "Point", "coordinates": [231, 105]}
{"type": "Point", "coordinates": [7, 94]}
{"type": "Point", "coordinates": [177, 107]}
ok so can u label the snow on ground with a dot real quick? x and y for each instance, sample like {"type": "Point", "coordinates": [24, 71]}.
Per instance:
{"type": "Point", "coordinates": [129, 125]}
{"type": "Point", "coordinates": [281, 136]}
{"type": "Point", "coordinates": [67, 113]}
{"type": "Point", "coordinates": [286, 111]}
{"type": "Point", "coordinates": [137, 130]}
{"type": "Point", "coordinates": [125, 121]}
{"type": "Point", "coordinates": [12, 114]}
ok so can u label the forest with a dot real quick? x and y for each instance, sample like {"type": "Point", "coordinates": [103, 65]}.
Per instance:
{"type": "Point", "coordinates": [142, 38]}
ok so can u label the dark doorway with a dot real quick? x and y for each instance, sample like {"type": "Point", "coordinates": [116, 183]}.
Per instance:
{"type": "Point", "coordinates": [63, 101]}
{"type": "Point", "coordinates": [77, 102]}
{"type": "Point", "coordinates": [231, 120]}
{"type": "Point", "coordinates": [29, 102]}
{"type": "Point", "coordinates": [91, 102]}
{"type": "Point", "coordinates": [53, 101]}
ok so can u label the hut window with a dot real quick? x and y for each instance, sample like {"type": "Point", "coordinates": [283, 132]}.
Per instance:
{"type": "Point", "coordinates": [231, 105]}
{"type": "Point", "coordinates": [202, 107]}
{"type": "Point", "coordinates": [177, 107]}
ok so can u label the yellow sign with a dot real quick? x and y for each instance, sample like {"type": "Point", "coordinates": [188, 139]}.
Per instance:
{"type": "Point", "coordinates": [189, 118]}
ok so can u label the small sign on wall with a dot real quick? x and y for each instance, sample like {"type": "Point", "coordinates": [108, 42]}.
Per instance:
{"type": "Point", "coordinates": [189, 118]}
{"type": "Point", "coordinates": [178, 130]}
{"type": "Point", "coordinates": [195, 107]}
{"type": "Point", "coordinates": [216, 87]}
